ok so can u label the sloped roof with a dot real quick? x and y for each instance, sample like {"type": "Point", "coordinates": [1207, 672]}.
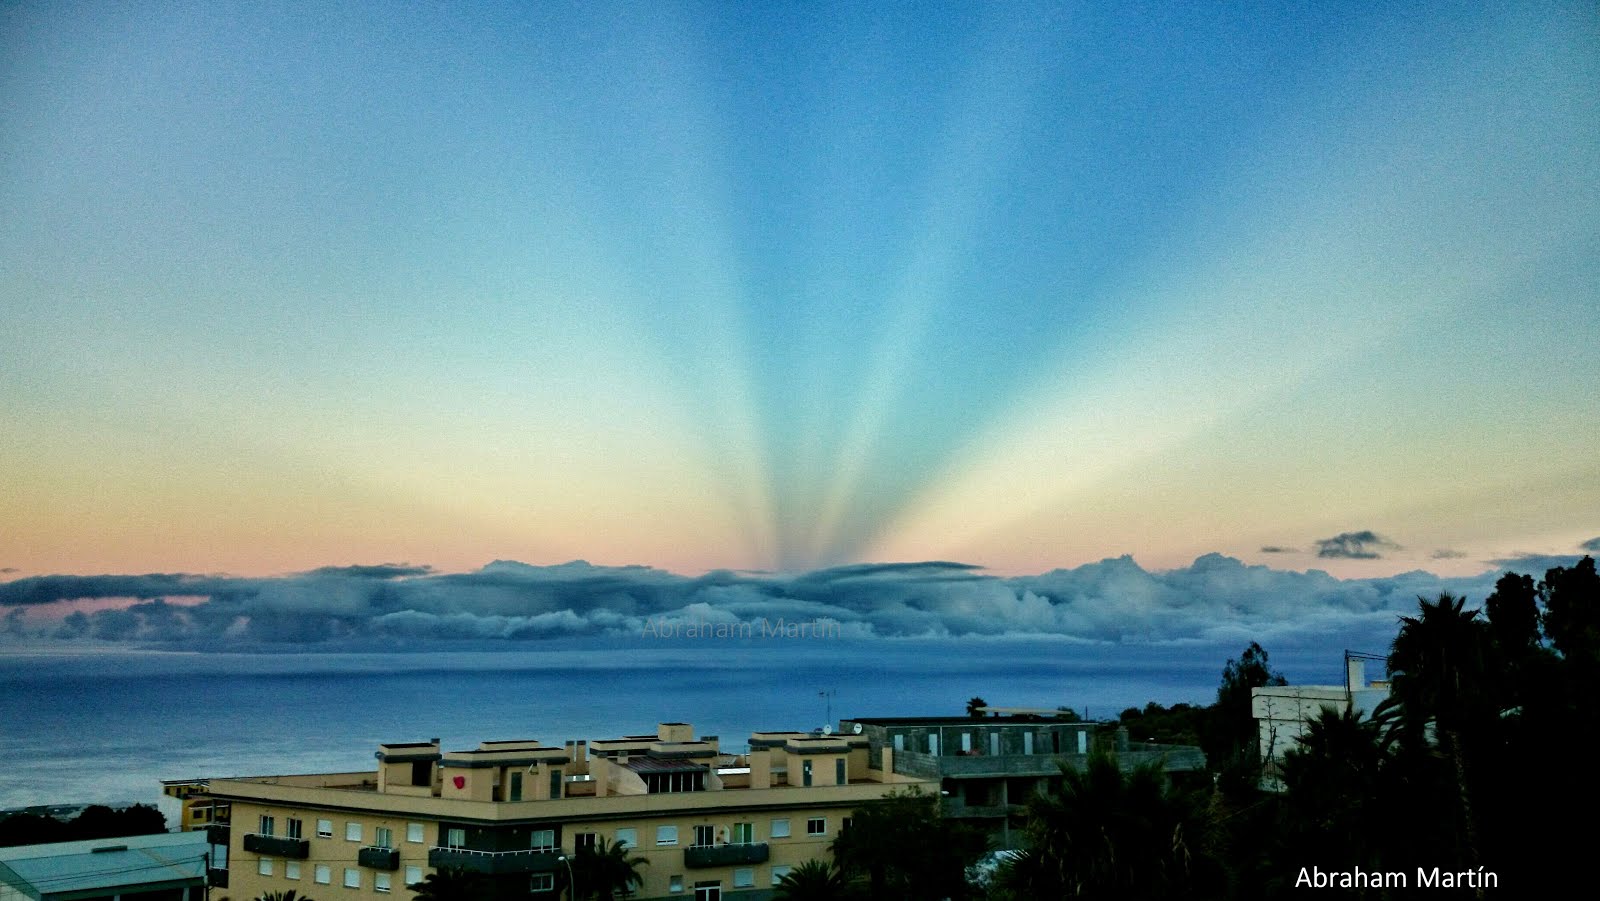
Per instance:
{"type": "Point", "coordinates": [174, 858]}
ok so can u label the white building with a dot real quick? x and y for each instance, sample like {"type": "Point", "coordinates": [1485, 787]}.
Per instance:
{"type": "Point", "coordinates": [1283, 712]}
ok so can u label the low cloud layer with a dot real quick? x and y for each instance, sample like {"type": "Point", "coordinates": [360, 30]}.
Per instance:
{"type": "Point", "coordinates": [1116, 600]}
{"type": "Point", "coordinates": [1363, 545]}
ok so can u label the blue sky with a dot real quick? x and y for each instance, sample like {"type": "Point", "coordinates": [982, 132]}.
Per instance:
{"type": "Point", "coordinates": [779, 287]}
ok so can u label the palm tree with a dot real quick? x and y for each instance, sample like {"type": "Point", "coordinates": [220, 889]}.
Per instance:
{"type": "Point", "coordinates": [1101, 833]}
{"type": "Point", "coordinates": [814, 880]}
{"type": "Point", "coordinates": [605, 871]}
{"type": "Point", "coordinates": [448, 884]}
{"type": "Point", "coordinates": [289, 895]}
{"type": "Point", "coordinates": [1440, 665]}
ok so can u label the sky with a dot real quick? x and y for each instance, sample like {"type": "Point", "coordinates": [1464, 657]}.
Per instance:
{"type": "Point", "coordinates": [764, 292]}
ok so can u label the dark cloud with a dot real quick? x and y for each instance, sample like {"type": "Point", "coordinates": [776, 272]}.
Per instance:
{"type": "Point", "coordinates": [1535, 564]}
{"type": "Point", "coordinates": [1277, 549]}
{"type": "Point", "coordinates": [1447, 554]}
{"type": "Point", "coordinates": [1363, 545]}
{"type": "Point", "coordinates": [1592, 545]}
{"type": "Point", "coordinates": [1116, 600]}
{"type": "Point", "coordinates": [380, 571]}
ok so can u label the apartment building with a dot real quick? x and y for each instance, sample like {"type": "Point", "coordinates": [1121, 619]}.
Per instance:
{"type": "Point", "coordinates": [988, 767]}
{"type": "Point", "coordinates": [713, 826]}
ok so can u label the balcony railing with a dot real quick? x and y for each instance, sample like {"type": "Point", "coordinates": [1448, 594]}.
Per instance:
{"type": "Point", "coordinates": [297, 848]}
{"type": "Point", "coordinates": [379, 858]}
{"type": "Point", "coordinates": [494, 863]}
{"type": "Point", "coordinates": [217, 834]}
{"type": "Point", "coordinates": [724, 855]}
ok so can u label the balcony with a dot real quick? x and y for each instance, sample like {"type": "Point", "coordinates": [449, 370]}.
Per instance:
{"type": "Point", "coordinates": [379, 858]}
{"type": "Point", "coordinates": [724, 855]}
{"type": "Point", "coordinates": [495, 863]}
{"type": "Point", "coordinates": [296, 848]}
{"type": "Point", "coordinates": [217, 835]}
{"type": "Point", "coordinates": [216, 878]}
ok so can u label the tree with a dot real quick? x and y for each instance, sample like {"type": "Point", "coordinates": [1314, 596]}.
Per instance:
{"type": "Point", "coordinates": [1100, 833]}
{"type": "Point", "coordinates": [975, 706]}
{"type": "Point", "coordinates": [289, 895]}
{"type": "Point", "coordinates": [1230, 737]}
{"type": "Point", "coordinates": [904, 849]}
{"type": "Point", "coordinates": [448, 884]}
{"type": "Point", "coordinates": [1440, 667]}
{"type": "Point", "coordinates": [605, 870]}
{"type": "Point", "coordinates": [1572, 611]}
{"type": "Point", "coordinates": [814, 880]}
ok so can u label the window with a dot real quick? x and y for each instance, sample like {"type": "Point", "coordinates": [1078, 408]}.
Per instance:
{"type": "Point", "coordinates": [264, 866]}
{"type": "Point", "coordinates": [933, 745]}
{"type": "Point", "coordinates": [816, 826]}
{"type": "Point", "coordinates": [516, 787]}
{"type": "Point", "coordinates": [844, 825]}
{"type": "Point", "coordinates": [352, 877]}
{"type": "Point", "coordinates": [543, 840]}
{"type": "Point", "coordinates": [266, 825]}
{"type": "Point", "coordinates": [899, 742]}
{"type": "Point", "coordinates": [966, 742]}
{"type": "Point", "coordinates": [292, 827]}
{"type": "Point", "coordinates": [744, 834]}
{"type": "Point", "coordinates": [291, 869]}
{"type": "Point", "coordinates": [382, 837]}
{"type": "Point", "coordinates": [584, 840]}
{"type": "Point", "coordinates": [780, 829]}
{"type": "Point", "coordinates": [702, 837]}
{"type": "Point", "coordinates": [666, 835]}
{"type": "Point", "coordinates": [806, 769]}
{"type": "Point", "coordinates": [555, 784]}
{"type": "Point", "coordinates": [455, 838]}
{"type": "Point", "coordinates": [380, 883]}
{"type": "Point", "coordinates": [744, 877]}
{"type": "Point", "coordinates": [324, 829]}
{"type": "Point", "coordinates": [414, 833]}
{"type": "Point", "coordinates": [708, 891]}
{"type": "Point", "coordinates": [323, 874]}
{"type": "Point", "coordinates": [542, 882]}
{"type": "Point", "coordinates": [838, 772]}
{"type": "Point", "coordinates": [675, 884]}
{"type": "Point", "coordinates": [994, 744]}
{"type": "Point", "coordinates": [629, 837]}
{"type": "Point", "coordinates": [352, 832]}
{"type": "Point", "coordinates": [421, 772]}
{"type": "Point", "coordinates": [413, 876]}
{"type": "Point", "coordinates": [1027, 742]}
{"type": "Point", "coordinates": [778, 873]}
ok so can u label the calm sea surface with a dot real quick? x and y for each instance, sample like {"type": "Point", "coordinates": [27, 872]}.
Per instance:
{"type": "Point", "coordinates": [109, 726]}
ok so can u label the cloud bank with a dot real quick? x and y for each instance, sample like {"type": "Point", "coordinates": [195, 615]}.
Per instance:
{"type": "Point", "coordinates": [1115, 600]}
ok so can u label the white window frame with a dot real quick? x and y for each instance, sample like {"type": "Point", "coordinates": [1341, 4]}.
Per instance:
{"type": "Point", "coordinates": [267, 823]}
{"type": "Point", "coordinates": [323, 874]}
{"type": "Point", "coordinates": [742, 834]}
{"type": "Point", "coordinates": [778, 872]}
{"type": "Point", "coordinates": [324, 829]}
{"type": "Point", "coordinates": [294, 827]}
{"type": "Point", "coordinates": [414, 833]}
{"type": "Point", "coordinates": [264, 866]}
{"type": "Point", "coordinates": [542, 882]}
{"type": "Point", "coordinates": [816, 826]}
{"type": "Point", "coordinates": [382, 837]}
{"type": "Point", "coordinates": [381, 883]}
{"type": "Point", "coordinates": [548, 843]}
{"type": "Point", "coordinates": [675, 884]}
{"type": "Point", "coordinates": [352, 832]}
{"type": "Point", "coordinates": [455, 838]}
{"type": "Point", "coordinates": [413, 872]}
{"type": "Point", "coordinates": [666, 836]}
{"type": "Point", "coordinates": [780, 828]}
{"type": "Point", "coordinates": [352, 877]}
{"type": "Point", "coordinates": [629, 835]}
{"type": "Point", "coordinates": [744, 877]}
{"type": "Point", "coordinates": [291, 869]}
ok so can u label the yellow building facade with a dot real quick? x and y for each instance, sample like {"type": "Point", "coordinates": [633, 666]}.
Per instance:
{"type": "Point", "coordinates": [711, 826]}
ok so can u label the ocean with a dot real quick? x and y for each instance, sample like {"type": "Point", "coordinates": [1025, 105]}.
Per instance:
{"type": "Point", "coordinates": [109, 725]}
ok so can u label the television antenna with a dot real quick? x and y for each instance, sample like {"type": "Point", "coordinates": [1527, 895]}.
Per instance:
{"type": "Point", "coordinates": [827, 699]}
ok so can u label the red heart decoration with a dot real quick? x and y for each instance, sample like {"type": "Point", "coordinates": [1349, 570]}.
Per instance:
{"type": "Point", "coordinates": [461, 782]}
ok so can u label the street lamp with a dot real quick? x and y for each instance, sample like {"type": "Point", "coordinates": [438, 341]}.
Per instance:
{"type": "Point", "coordinates": [572, 882]}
